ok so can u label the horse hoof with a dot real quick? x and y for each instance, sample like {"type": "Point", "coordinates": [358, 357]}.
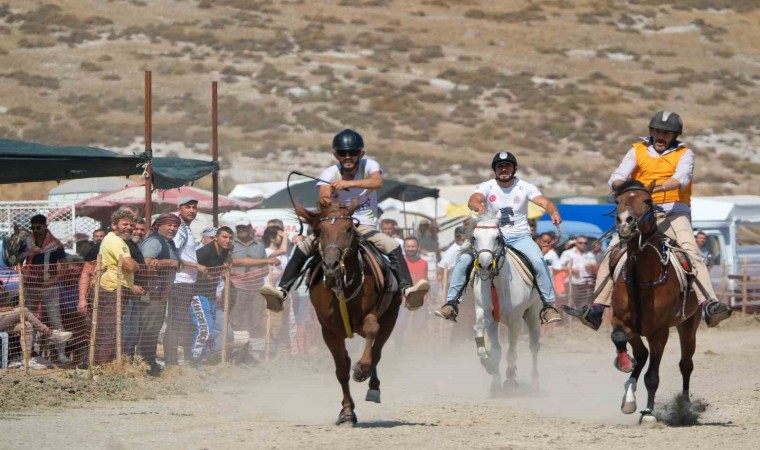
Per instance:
{"type": "Point", "coordinates": [346, 420]}
{"type": "Point", "coordinates": [647, 418]}
{"type": "Point", "coordinates": [359, 376]}
{"type": "Point", "coordinates": [629, 398]}
{"type": "Point", "coordinates": [373, 395]}
{"type": "Point", "coordinates": [624, 362]}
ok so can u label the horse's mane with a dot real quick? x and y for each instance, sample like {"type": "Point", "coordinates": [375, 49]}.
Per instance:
{"type": "Point", "coordinates": [634, 185]}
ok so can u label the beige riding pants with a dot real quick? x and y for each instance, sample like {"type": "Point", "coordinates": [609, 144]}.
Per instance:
{"type": "Point", "coordinates": [678, 228]}
{"type": "Point", "coordinates": [382, 241]}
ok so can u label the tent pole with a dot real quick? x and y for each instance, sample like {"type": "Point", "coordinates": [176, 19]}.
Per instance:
{"type": "Point", "coordinates": [403, 199]}
{"type": "Point", "coordinates": [148, 210]}
{"type": "Point", "coordinates": [215, 152]}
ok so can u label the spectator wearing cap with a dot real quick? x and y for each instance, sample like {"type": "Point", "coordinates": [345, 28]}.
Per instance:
{"type": "Point", "coordinates": [427, 236]}
{"type": "Point", "coordinates": [249, 270]}
{"type": "Point", "coordinates": [162, 263]}
{"type": "Point", "coordinates": [43, 255]}
{"type": "Point", "coordinates": [179, 326]}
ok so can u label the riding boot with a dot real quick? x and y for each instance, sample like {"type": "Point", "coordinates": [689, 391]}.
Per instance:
{"type": "Point", "coordinates": [589, 315]}
{"type": "Point", "coordinates": [415, 294]}
{"type": "Point", "coordinates": [274, 296]}
{"type": "Point", "coordinates": [449, 311]}
{"type": "Point", "coordinates": [715, 312]}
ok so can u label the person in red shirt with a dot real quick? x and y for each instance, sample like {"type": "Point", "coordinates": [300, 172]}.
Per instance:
{"type": "Point", "coordinates": [412, 324]}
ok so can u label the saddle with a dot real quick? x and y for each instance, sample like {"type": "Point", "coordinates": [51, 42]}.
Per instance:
{"type": "Point", "coordinates": [671, 252]}
{"type": "Point", "coordinates": [385, 283]}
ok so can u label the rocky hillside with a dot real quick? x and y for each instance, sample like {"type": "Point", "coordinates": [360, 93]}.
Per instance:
{"type": "Point", "coordinates": [435, 86]}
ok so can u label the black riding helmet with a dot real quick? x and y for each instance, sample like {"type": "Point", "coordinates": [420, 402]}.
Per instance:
{"type": "Point", "coordinates": [503, 157]}
{"type": "Point", "coordinates": [668, 121]}
{"type": "Point", "coordinates": [348, 140]}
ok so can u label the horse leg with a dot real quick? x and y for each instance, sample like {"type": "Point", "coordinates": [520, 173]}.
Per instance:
{"type": "Point", "coordinates": [363, 368]}
{"type": "Point", "coordinates": [513, 336]}
{"type": "Point", "coordinates": [640, 355]}
{"type": "Point", "coordinates": [623, 361]}
{"type": "Point", "coordinates": [491, 362]}
{"type": "Point", "coordinates": [533, 322]}
{"type": "Point", "coordinates": [687, 332]}
{"type": "Point", "coordinates": [373, 394]}
{"type": "Point", "coordinates": [337, 346]}
{"type": "Point", "coordinates": [652, 377]}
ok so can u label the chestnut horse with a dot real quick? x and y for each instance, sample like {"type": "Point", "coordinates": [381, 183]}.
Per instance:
{"type": "Point", "coordinates": [647, 299]}
{"type": "Point", "coordinates": [347, 278]}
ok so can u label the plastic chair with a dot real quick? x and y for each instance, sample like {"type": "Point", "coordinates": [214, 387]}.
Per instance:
{"type": "Point", "coordinates": [4, 339]}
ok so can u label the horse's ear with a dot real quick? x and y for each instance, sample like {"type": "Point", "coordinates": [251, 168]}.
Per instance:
{"type": "Point", "coordinates": [325, 203]}
{"type": "Point", "coordinates": [650, 187]}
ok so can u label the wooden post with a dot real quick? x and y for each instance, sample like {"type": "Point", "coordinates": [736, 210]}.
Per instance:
{"type": "Point", "coordinates": [745, 282]}
{"type": "Point", "coordinates": [215, 152]}
{"type": "Point", "coordinates": [118, 308]}
{"type": "Point", "coordinates": [444, 294]}
{"type": "Point", "coordinates": [94, 323]}
{"type": "Point", "coordinates": [148, 149]}
{"type": "Point", "coordinates": [226, 318]}
{"type": "Point", "coordinates": [570, 288]}
{"type": "Point", "coordinates": [22, 313]}
{"type": "Point", "coordinates": [724, 282]}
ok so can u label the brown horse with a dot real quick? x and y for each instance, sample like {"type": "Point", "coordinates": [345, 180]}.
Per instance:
{"type": "Point", "coordinates": [347, 277]}
{"type": "Point", "coordinates": [648, 301]}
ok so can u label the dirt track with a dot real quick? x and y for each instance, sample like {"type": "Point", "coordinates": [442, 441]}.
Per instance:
{"type": "Point", "coordinates": [429, 400]}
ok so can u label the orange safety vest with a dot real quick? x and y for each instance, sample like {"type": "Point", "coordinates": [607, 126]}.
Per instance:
{"type": "Point", "coordinates": [658, 169]}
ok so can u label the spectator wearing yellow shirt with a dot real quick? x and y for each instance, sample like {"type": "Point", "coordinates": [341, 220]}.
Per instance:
{"type": "Point", "coordinates": [112, 248]}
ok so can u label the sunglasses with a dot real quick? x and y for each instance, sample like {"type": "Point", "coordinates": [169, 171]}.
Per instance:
{"type": "Point", "coordinates": [344, 153]}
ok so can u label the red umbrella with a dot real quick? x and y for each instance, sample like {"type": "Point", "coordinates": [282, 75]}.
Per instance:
{"type": "Point", "coordinates": [101, 206]}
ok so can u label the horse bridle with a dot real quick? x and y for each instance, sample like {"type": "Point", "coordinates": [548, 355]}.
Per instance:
{"type": "Point", "coordinates": [497, 257]}
{"type": "Point", "coordinates": [648, 216]}
{"type": "Point", "coordinates": [343, 252]}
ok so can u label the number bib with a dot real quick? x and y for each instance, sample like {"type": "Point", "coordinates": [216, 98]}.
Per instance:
{"type": "Point", "coordinates": [512, 202]}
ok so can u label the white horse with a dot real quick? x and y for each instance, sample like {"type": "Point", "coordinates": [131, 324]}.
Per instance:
{"type": "Point", "coordinates": [518, 302]}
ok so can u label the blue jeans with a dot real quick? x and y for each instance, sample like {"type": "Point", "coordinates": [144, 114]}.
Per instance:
{"type": "Point", "coordinates": [524, 244]}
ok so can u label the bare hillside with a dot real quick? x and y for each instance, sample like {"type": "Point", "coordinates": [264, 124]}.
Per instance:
{"type": "Point", "coordinates": [435, 86]}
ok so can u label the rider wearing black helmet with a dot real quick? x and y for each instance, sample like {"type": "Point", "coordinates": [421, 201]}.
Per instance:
{"type": "Point", "coordinates": [663, 159]}
{"type": "Point", "coordinates": [353, 179]}
{"type": "Point", "coordinates": [510, 195]}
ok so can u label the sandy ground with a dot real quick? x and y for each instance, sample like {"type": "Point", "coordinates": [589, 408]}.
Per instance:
{"type": "Point", "coordinates": [431, 399]}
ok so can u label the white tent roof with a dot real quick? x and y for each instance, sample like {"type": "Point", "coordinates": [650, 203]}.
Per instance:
{"type": "Point", "coordinates": [257, 191]}
{"type": "Point", "coordinates": [99, 185]}
{"type": "Point", "coordinates": [726, 208]}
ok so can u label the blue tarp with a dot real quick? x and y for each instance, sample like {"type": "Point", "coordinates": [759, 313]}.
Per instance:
{"type": "Point", "coordinates": [594, 214]}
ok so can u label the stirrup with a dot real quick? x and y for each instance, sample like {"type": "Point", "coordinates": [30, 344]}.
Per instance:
{"type": "Point", "coordinates": [449, 311]}
{"type": "Point", "coordinates": [713, 319]}
{"type": "Point", "coordinates": [272, 296]}
{"type": "Point", "coordinates": [547, 310]}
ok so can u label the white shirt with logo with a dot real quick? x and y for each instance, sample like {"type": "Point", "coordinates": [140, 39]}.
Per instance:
{"type": "Point", "coordinates": [580, 261]}
{"type": "Point", "coordinates": [512, 202]}
{"type": "Point", "coordinates": [366, 212]}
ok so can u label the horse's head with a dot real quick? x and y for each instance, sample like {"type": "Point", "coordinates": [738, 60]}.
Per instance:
{"type": "Point", "coordinates": [487, 242]}
{"type": "Point", "coordinates": [333, 227]}
{"type": "Point", "coordinates": [635, 211]}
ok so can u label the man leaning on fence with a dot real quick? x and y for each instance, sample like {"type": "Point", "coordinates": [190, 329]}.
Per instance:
{"type": "Point", "coordinates": [112, 249]}
{"type": "Point", "coordinates": [43, 253]}
{"type": "Point", "coordinates": [162, 263]}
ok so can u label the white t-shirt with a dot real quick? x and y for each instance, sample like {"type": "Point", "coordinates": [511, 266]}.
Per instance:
{"type": "Point", "coordinates": [185, 243]}
{"type": "Point", "coordinates": [449, 257]}
{"type": "Point", "coordinates": [579, 262]}
{"type": "Point", "coordinates": [512, 202]}
{"type": "Point", "coordinates": [277, 270]}
{"type": "Point", "coordinates": [366, 212]}
{"type": "Point", "coordinates": [552, 259]}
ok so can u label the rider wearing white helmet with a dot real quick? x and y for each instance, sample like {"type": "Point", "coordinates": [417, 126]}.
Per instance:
{"type": "Point", "coordinates": [663, 159]}
{"type": "Point", "coordinates": [510, 195]}
{"type": "Point", "coordinates": [354, 179]}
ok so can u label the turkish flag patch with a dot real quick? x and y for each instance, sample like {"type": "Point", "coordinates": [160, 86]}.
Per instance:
{"type": "Point", "coordinates": [492, 198]}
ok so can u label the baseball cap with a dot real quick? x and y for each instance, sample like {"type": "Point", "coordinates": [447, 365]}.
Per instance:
{"type": "Point", "coordinates": [185, 200]}
{"type": "Point", "coordinates": [243, 222]}
{"type": "Point", "coordinates": [209, 232]}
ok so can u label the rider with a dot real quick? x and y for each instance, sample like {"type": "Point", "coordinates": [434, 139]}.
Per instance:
{"type": "Point", "coordinates": [354, 178]}
{"type": "Point", "coordinates": [510, 195]}
{"type": "Point", "coordinates": [670, 164]}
